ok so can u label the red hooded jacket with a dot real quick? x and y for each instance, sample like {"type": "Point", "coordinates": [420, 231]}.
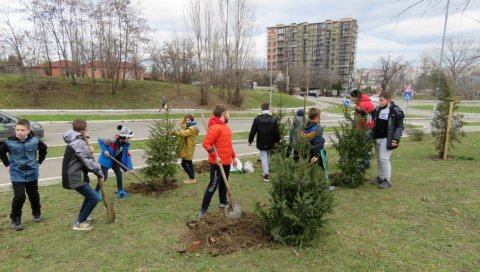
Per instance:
{"type": "Point", "coordinates": [364, 109]}
{"type": "Point", "coordinates": [220, 135]}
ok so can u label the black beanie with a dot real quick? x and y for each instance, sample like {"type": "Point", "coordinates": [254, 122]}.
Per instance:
{"type": "Point", "coordinates": [356, 93]}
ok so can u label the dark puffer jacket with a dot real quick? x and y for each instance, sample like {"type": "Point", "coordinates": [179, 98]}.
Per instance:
{"type": "Point", "coordinates": [395, 124]}
{"type": "Point", "coordinates": [265, 126]}
{"type": "Point", "coordinates": [77, 161]}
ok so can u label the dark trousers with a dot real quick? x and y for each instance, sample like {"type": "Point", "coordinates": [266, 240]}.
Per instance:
{"type": "Point", "coordinates": [216, 181]}
{"type": "Point", "coordinates": [188, 167]}
{"type": "Point", "coordinates": [118, 174]}
{"type": "Point", "coordinates": [19, 198]}
{"type": "Point", "coordinates": [89, 202]}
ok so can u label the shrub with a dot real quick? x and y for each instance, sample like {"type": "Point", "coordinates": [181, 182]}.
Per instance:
{"type": "Point", "coordinates": [353, 145]}
{"type": "Point", "coordinates": [161, 152]}
{"type": "Point", "coordinates": [299, 201]}
{"type": "Point", "coordinates": [415, 134]}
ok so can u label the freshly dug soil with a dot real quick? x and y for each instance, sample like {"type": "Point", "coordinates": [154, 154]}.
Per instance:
{"type": "Point", "coordinates": [154, 190]}
{"type": "Point", "coordinates": [219, 235]}
{"type": "Point", "coordinates": [201, 166]}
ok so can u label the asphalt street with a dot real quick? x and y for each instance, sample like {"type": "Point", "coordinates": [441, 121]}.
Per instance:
{"type": "Point", "coordinates": [50, 171]}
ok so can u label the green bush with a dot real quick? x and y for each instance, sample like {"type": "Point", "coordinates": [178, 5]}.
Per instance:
{"type": "Point", "coordinates": [161, 152]}
{"type": "Point", "coordinates": [299, 201]}
{"type": "Point", "coordinates": [353, 145]}
{"type": "Point", "coordinates": [415, 134]}
{"type": "Point", "coordinates": [440, 116]}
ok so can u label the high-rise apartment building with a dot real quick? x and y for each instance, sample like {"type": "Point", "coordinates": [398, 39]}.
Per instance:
{"type": "Point", "coordinates": [329, 45]}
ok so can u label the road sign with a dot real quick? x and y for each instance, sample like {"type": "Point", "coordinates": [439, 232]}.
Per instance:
{"type": "Point", "coordinates": [346, 103]}
{"type": "Point", "coordinates": [407, 96]}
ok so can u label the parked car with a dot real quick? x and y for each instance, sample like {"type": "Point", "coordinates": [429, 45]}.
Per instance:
{"type": "Point", "coordinates": [374, 98]}
{"type": "Point", "coordinates": [7, 127]}
{"type": "Point", "coordinates": [315, 93]}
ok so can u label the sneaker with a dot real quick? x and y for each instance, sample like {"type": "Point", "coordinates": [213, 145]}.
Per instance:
{"type": "Point", "coordinates": [385, 184]}
{"type": "Point", "coordinates": [37, 218]}
{"type": "Point", "coordinates": [202, 213]}
{"type": "Point", "coordinates": [266, 177]}
{"type": "Point", "coordinates": [82, 226]}
{"type": "Point", "coordinates": [90, 220]}
{"type": "Point", "coordinates": [16, 224]}
{"type": "Point", "coordinates": [222, 205]}
{"type": "Point", "coordinates": [331, 188]}
{"type": "Point", "coordinates": [189, 181]}
{"type": "Point", "coordinates": [99, 196]}
{"type": "Point", "coordinates": [122, 194]}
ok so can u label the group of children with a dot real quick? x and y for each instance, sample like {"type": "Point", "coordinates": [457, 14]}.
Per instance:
{"type": "Point", "coordinates": [386, 128]}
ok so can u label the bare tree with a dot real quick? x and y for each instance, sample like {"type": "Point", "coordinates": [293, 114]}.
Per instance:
{"type": "Point", "coordinates": [15, 40]}
{"type": "Point", "coordinates": [460, 56]}
{"type": "Point", "coordinates": [242, 29]}
{"type": "Point", "coordinates": [389, 67]}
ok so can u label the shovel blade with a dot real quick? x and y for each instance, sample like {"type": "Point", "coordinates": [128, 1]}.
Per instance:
{"type": "Point", "coordinates": [233, 211]}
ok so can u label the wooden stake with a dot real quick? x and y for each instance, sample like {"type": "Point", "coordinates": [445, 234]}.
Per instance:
{"type": "Point", "coordinates": [449, 127]}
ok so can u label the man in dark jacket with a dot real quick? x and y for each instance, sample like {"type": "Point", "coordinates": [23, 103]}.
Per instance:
{"type": "Point", "coordinates": [265, 126]}
{"type": "Point", "coordinates": [77, 162]}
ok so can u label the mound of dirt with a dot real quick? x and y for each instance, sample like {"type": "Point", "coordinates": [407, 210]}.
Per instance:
{"type": "Point", "coordinates": [151, 190]}
{"type": "Point", "coordinates": [201, 166]}
{"type": "Point", "coordinates": [219, 235]}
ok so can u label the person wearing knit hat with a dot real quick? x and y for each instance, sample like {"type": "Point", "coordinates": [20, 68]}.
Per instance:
{"type": "Point", "coordinates": [118, 148]}
{"type": "Point", "coordinates": [295, 129]}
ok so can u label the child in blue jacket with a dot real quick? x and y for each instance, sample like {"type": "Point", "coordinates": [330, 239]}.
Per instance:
{"type": "Point", "coordinates": [22, 164]}
{"type": "Point", "coordinates": [117, 148]}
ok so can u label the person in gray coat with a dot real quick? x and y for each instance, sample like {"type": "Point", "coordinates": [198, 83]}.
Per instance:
{"type": "Point", "coordinates": [77, 162]}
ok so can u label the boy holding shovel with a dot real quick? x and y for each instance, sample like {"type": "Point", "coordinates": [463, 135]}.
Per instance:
{"type": "Point", "coordinates": [116, 148]}
{"type": "Point", "coordinates": [219, 135]}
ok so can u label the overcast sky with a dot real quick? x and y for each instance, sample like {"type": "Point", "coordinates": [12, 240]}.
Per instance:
{"type": "Point", "coordinates": [380, 33]}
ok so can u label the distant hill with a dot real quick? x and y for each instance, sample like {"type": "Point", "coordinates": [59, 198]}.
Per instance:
{"type": "Point", "coordinates": [59, 93]}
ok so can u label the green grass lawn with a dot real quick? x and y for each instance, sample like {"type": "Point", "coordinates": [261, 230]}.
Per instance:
{"type": "Point", "coordinates": [136, 95]}
{"type": "Point", "coordinates": [428, 221]}
{"type": "Point", "coordinates": [462, 109]}
{"type": "Point", "coordinates": [144, 116]}
{"type": "Point", "coordinates": [472, 123]}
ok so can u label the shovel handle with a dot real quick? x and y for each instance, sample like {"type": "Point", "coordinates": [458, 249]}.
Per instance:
{"type": "Point", "coordinates": [224, 176]}
{"type": "Point", "coordinates": [126, 168]}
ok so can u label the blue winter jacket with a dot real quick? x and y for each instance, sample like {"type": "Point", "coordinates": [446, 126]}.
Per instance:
{"type": "Point", "coordinates": [117, 150]}
{"type": "Point", "coordinates": [22, 157]}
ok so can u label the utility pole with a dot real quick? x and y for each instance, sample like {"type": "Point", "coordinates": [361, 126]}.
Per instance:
{"type": "Point", "coordinates": [441, 60]}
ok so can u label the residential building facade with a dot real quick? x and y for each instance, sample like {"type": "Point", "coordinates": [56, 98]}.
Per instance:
{"type": "Point", "coordinates": [328, 46]}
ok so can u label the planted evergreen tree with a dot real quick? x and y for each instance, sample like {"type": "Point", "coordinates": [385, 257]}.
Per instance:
{"type": "Point", "coordinates": [281, 115]}
{"type": "Point", "coordinates": [161, 152]}
{"type": "Point", "coordinates": [440, 116]}
{"type": "Point", "coordinates": [352, 144]}
{"type": "Point", "coordinates": [299, 201]}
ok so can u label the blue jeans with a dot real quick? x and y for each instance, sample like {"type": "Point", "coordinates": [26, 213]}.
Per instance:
{"type": "Point", "coordinates": [118, 174]}
{"type": "Point", "coordinates": [89, 203]}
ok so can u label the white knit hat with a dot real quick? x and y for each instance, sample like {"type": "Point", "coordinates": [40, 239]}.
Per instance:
{"type": "Point", "coordinates": [124, 132]}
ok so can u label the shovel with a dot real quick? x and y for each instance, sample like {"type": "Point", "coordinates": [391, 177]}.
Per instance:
{"type": "Point", "coordinates": [108, 205]}
{"type": "Point", "coordinates": [233, 209]}
{"type": "Point", "coordinates": [133, 173]}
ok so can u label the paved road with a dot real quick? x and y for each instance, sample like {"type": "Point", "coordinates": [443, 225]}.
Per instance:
{"type": "Point", "coordinates": [51, 169]}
